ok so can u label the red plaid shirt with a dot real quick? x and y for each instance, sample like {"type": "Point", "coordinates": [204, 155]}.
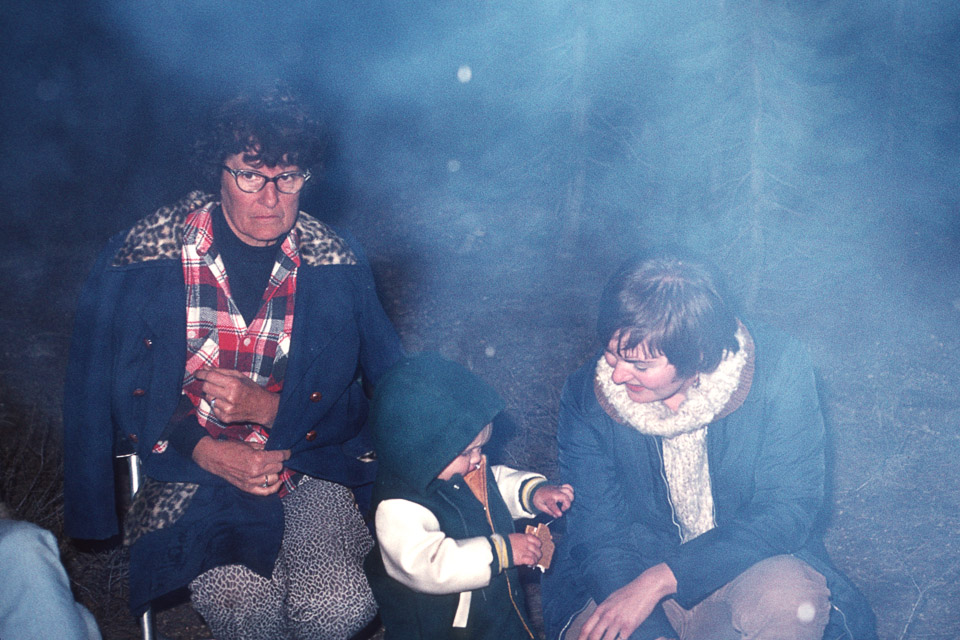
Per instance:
{"type": "Point", "coordinates": [217, 335]}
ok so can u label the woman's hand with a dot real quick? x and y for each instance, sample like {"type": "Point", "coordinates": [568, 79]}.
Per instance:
{"type": "Point", "coordinates": [244, 465]}
{"type": "Point", "coordinates": [626, 608]}
{"type": "Point", "coordinates": [526, 549]}
{"type": "Point", "coordinates": [237, 398]}
{"type": "Point", "coordinates": [553, 499]}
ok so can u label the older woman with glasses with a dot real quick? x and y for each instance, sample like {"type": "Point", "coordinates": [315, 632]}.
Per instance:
{"type": "Point", "coordinates": [227, 340]}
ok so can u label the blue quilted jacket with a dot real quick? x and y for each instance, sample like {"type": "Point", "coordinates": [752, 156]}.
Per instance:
{"type": "Point", "coordinates": [767, 473]}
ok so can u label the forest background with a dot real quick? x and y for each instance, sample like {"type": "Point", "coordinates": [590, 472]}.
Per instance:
{"type": "Point", "coordinates": [498, 160]}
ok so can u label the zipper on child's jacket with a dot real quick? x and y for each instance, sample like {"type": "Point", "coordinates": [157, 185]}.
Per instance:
{"type": "Point", "coordinates": [482, 495]}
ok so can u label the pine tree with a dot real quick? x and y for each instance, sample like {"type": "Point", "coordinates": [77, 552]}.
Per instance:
{"type": "Point", "coordinates": [744, 130]}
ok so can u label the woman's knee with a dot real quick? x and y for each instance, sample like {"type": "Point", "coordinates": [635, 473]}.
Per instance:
{"type": "Point", "coordinates": [780, 597]}
{"type": "Point", "coordinates": [238, 604]}
{"type": "Point", "coordinates": [331, 618]}
{"type": "Point", "coordinates": [325, 540]}
{"type": "Point", "coordinates": [329, 599]}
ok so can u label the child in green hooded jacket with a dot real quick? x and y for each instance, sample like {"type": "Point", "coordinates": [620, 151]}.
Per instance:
{"type": "Point", "coordinates": [445, 564]}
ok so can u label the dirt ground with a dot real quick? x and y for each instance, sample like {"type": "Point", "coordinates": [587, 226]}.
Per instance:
{"type": "Point", "coordinates": [520, 312]}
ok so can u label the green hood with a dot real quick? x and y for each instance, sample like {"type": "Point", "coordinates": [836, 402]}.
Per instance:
{"type": "Point", "coordinates": [424, 413]}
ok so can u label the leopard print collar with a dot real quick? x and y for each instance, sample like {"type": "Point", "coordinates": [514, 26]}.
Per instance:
{"type": "Point", "coordinates": [159, 236]}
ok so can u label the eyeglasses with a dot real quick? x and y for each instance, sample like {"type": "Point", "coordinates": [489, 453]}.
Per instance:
{"type": "Point", "coordinates": [251, 181]}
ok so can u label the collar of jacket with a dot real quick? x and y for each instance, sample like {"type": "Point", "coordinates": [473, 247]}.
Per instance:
{"type": "Point", "coordinates": [717, 394]}
{"type": "Point", "coordinates": [159, 236]}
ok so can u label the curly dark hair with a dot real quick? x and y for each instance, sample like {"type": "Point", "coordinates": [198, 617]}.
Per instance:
{"type": "Point", "coordinates": [269, 126]}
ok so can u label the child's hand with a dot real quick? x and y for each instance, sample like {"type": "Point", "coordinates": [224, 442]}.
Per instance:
{"type": "Point", "coordinates": [553, 499]}
{"type": "Point", "coordinates": [526, 548]}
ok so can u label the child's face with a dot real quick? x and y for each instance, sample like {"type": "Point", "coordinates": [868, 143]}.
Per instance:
{"type": "Point", "coordinates": [470, 458]}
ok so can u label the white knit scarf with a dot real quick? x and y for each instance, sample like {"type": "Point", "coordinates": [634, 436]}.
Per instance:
{"type": "Point", "coordinates": [683, 434]}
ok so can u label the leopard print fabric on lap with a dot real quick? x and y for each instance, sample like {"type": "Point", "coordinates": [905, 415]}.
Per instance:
{"type": "Point", "coordinates": [318, 589]}
{"type": "Point", "coordinates": [157, 505]}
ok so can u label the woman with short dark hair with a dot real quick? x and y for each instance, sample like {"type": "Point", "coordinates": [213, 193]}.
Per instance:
{"type": "Point", "coordinates": [696, 448]}
{"type": "Point", "coordinates": [671, 305]}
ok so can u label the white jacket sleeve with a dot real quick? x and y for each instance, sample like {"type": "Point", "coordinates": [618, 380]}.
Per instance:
{"type": "Point", "coordinates": [517, 489]}
{"type": "Point", "coordinates": [419, 555]}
